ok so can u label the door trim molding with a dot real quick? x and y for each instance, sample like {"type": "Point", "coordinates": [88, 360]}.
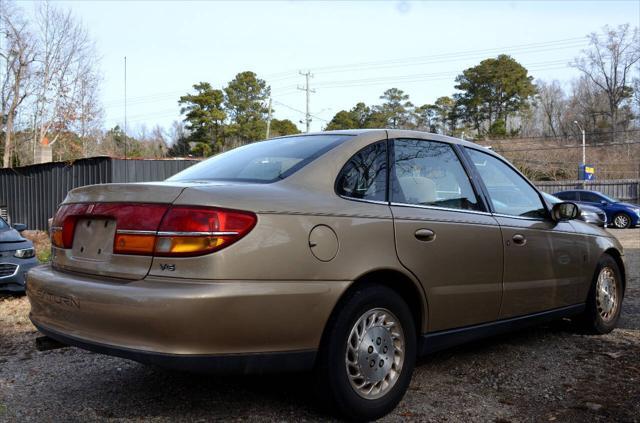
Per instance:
{"type": "Point", "coordinates": [436, 341]}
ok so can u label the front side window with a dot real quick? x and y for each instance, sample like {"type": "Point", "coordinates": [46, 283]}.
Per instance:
{"type": "Point", "coordinates": [590, 197]}
{"type": "Point", "coordinates": [264, 161]}
{"type": "Point", "coordinates": [428, 173]}
{"type": "Point", "coordinates": [364, 176]}
{"type": "Point", "coordinates": [510, 193]}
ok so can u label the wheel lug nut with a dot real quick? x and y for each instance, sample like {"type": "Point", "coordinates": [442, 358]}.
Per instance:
{"type": "Point", "coordinates": [370, 349]}
{"type": "Point", "coordinates": [378, 341]}
{"type": "Point", "coordinates": [381, 363]}
{"type": "Point", "coordinates": [385, 349]}
{"type": "Point", "coordinates": [373, 363]}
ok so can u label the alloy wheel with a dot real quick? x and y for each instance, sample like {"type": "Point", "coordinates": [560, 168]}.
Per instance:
{"type": "Point", "coordinates": [621, 221]}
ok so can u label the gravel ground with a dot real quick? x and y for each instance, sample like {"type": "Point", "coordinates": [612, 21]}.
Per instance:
{"type": "Point", "coordinates": [542, 374]}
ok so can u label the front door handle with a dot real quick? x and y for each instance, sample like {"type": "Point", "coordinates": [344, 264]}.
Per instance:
{"type": "Point", "coordinates": [425, 235]}
{"type": "Point", "coordinates": [519, 239]}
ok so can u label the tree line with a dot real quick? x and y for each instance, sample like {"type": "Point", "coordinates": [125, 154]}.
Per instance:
{"type": "Point", "coordinates": [219, 119]}
{"type": "Point", "coordinates": [498, 98]}
{"type": "Point", "coordinates": [50, 94]}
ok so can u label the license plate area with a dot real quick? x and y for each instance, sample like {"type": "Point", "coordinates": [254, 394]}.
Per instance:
{"type": "Point", "coordinates": [93, 239]}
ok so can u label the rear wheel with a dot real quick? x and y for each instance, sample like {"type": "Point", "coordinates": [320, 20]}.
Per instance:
{"type": "Point", "coordinates": [368, 354]}
{"type": "Point", "coordinates": [621, 221]}
{"type": "Point", "coordinates": [605, 298]}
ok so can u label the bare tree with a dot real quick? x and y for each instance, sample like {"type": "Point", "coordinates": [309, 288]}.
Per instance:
{"type": "Point", "coordinates": [67, 80]}
{"type": "Point", "coordinates": [587, 104]}
{"type": "Point", "coordinates": [18, 54]}
{"type": "Point", "coordinates": [608, 63]}
{"type": "Point", "coordinates": [552, 103]}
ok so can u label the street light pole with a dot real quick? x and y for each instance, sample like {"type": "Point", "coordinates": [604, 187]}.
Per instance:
{"type": "Point", "coordinates": [584, 154]}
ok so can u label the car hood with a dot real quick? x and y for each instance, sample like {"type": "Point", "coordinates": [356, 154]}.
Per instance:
{"type": "Point", "coordinates": [11, 240]}
{"type": "Point", "coordinates": [10, 235]}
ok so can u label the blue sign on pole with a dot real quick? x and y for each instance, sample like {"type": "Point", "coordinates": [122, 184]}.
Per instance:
{"type": "Point", "coordinates": [587, 172]}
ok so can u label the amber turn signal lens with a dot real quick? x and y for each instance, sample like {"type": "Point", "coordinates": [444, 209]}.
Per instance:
{"type": "Point", "coordinates": [56, 237]}
{"type": "Point", "coordinates": [177, 245]}
{"type": "Point", "coordinates": [134, 244]}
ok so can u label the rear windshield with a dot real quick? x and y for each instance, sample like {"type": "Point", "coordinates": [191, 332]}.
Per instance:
{"type": "Point", "coordinates": [264, 161]}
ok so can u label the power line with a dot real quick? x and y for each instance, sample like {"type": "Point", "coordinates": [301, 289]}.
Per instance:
{"type": "Point", "coordinates": [543, 46]}
{"type": "Point", "coordinates": [298, 110]}
{"type": "Point", "coordinates": [432, 59]}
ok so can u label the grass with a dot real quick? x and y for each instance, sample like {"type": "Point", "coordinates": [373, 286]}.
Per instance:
{"type": "Point", "coordinates": [41, 243]}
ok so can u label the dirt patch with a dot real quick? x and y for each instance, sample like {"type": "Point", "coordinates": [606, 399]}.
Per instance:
{"type": "Point", "coordinates": [548, 373]}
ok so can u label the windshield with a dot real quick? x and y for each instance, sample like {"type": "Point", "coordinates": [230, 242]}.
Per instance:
{"type": "Point", "coordinates": [264, 161]}
{"type": "Point", "coordinates": [3, 225]}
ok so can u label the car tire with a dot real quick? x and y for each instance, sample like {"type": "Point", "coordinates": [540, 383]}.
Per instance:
{"type": "Point", "coordinates": [604, 301]}
{"type": "Point", "coordinates": [621, 221]}
{"type": "Point", "coordinates": [369, 344]}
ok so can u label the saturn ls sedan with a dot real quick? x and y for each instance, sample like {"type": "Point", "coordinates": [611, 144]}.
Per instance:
{"type": "Point", "coordinates": [348, 253]}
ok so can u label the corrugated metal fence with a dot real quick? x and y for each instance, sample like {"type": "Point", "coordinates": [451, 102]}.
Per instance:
{"type": "Point", "coordinates": [31, 194]}
{"type": "Point", "coordinates": [621, 189]}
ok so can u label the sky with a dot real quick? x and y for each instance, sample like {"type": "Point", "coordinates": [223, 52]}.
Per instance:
{"type": "Point", "coordinates": [355, 50]}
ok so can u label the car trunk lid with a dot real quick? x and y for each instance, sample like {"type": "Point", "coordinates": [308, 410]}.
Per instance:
{"type": "Point", "coordinates": [97, 214]}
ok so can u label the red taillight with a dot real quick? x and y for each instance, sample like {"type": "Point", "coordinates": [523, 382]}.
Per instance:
{"type": "Point", "coordinates": [64, 222]}
{"type": "Point", "coordinates": [189, 231]}
{"type": "Point", "coordinates": [148, 229]}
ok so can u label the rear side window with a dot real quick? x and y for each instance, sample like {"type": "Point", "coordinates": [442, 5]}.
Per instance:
{"type": "Point", "coordinates": [510, 193]}
{"type": "Point", "coordinates": [429, 173]}
{"type": "Point", "coordinates": [264, 161]}
{"type": "Point", "coordinates": [364, 176]}
{"type": "Point", "coordinates": [567, 196]}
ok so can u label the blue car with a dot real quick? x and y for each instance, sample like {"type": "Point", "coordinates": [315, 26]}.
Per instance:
{"type": "Point", "coordinates": [619, 215]}
{"type": "Point", "coordinates": [17, 256]}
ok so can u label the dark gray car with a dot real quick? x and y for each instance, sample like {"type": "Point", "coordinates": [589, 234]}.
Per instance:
{"type": "Point", "coordinates": [17, 256]}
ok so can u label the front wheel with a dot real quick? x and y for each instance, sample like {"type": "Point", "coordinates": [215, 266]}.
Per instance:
{"type": "Point", "coordinates": [604, 302]}
{"type": "Point", "coordinates": [368, 354]}
{"type": "Point", "coordinates": [621, 221]}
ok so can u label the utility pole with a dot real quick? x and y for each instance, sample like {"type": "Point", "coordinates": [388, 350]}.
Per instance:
{"type": "Point", "coordinates": [584, 153]}
{"type": "Point", "coordinates": [308, 90]}
{"type": "Point", "coordinates": [269, 121]}
{"type": "Point", "coordinates": [584, 156]}
{"type": "Point", "coordinates": [126, 168]}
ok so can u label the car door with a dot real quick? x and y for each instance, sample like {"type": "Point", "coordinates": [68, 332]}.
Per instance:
{"type": "Point", "coordinates": [595, 200]}
{"type": "Point", "coordinates": [444, 234]}
{"type": "Point", "coordinates": [542, 257]}
{"type": "Point", "coordinates": [592, 199]}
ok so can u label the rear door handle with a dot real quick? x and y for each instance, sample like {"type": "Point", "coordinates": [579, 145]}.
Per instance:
{"type": "Point", "coordinates": [519, 239]}
{"type": "Point", "coordinates": [425, 235]}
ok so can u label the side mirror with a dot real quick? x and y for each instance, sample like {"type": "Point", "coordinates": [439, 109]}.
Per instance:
{"type": "Point", "coordinates": [19, 226]}
{"type": "Point", "coordinates": [564, 211]}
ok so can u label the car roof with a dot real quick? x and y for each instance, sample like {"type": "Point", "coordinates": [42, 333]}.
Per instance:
{"type": "Point", "coordinates": [578, 190]}
{"type": "Point", "coordinates": [400, 133]}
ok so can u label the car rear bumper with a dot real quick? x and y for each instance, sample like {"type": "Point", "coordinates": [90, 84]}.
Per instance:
{"type": "Point", "coordinates": [185, 322]}
{"type": "Point", "coordinates": [255, 363]}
